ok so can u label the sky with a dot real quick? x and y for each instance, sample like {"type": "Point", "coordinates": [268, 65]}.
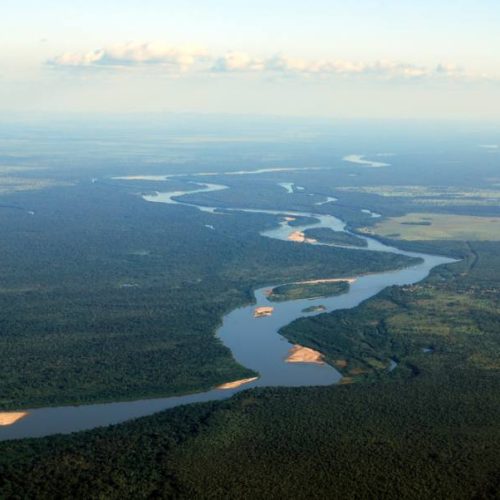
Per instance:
{"type": "Point", "coordinates": [343, 59]}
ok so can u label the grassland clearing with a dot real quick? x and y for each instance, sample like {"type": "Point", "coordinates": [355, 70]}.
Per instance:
{"type": "Point", "coordinates": [428, 226]}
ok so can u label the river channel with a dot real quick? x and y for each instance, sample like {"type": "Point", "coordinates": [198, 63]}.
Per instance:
{"type": "Point", "coordinates": [254, 342]}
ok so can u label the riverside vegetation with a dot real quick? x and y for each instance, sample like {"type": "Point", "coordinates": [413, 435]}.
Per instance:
{"type": "Point", "coordinates": [294, 291]}
{"type": "Point", "coordinates": [106, 297]}
{"type": "Point", "coordinates": [413, 432]}
{"type": "Point", "coordinates": [84, 287]}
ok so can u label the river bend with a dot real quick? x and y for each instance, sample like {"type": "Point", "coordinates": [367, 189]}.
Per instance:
{"type": "Point", "coordinates": [254, 342]}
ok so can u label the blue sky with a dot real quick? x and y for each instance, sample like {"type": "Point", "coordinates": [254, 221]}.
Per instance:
{"type": "Point", "coordinates": [364, 58]}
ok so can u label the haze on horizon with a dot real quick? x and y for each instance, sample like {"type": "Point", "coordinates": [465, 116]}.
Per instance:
{"type": "Point", "coordinates": [343, 59]}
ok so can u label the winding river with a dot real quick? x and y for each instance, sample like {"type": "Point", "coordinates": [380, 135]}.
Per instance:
{"type": "Point", "coordinates": [254, 342]}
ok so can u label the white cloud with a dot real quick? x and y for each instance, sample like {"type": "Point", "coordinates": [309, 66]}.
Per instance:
{"type": "Point", "coordinates": [237, 61]}
{"type": "Point", "coordinates": [197, 59]}
{"type": "Point", "coordinates": [382, 69]}
{"type": "Point", "coordinates": [135, 54]}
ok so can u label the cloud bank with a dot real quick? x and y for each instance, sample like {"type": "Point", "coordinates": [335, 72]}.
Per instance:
{"type": "Point", "coordinates": [195, 59]}
{"type": "Point", "coordinates": [135, 54]}
{"type": "Point", "coordinates": [242, 62]}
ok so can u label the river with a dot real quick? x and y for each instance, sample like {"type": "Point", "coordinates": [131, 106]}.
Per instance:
{"type": "Point", "coordinates": [254, 342]}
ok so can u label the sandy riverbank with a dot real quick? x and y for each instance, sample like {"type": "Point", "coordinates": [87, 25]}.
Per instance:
{"type": "Point", "coordinates": [260, 312]}
{"type": "Point", "coordinates": [326, 280]}
{"type": "Point", "coordinates": [300, 354]}
{"type": "Point", "coordinates": [11, 417]}
{"type": "Point", "coordinates": [299, 237]}
{"type": "Point", "coordinates": [236, 383]}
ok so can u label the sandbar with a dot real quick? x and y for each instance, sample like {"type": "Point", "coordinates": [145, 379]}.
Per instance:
{"type": "Point", "coordinates": [301, 354]}
{"type": "Point", "coordinates": [260, 312]}
{"type": "Point", "coordinates": [326, 280]}
{"type": "Point", "coordinates": [236, 383]}
{"type": "Point", "coordinates": [11, 417]}
{"type": "Point", "coordinates": [299, 237]}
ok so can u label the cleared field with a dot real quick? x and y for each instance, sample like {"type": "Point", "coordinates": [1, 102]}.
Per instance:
{"type": "Point", "coordinates": [434, 195]}
{"type": "Point", "coordinates": [427, 226]}
{"type": "Point", "coordinates": [13, 184]}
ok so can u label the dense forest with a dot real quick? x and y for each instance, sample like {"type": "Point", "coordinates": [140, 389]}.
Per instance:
{"type": "Point", "coordinates": [105, 296]}
{"type": "Point", "coordinates": [428, 429]}
{"type": "Point", "coordinates": [391, 192]}
{"type": "Point", "coordinates": [454, 313]}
